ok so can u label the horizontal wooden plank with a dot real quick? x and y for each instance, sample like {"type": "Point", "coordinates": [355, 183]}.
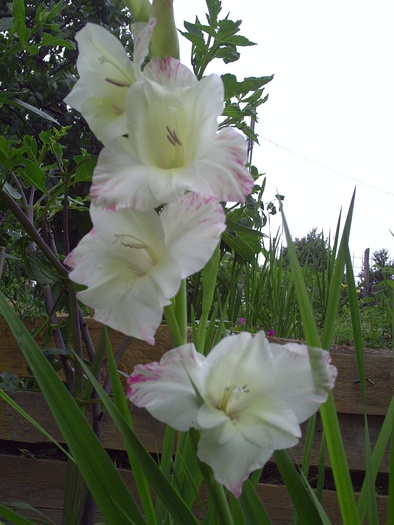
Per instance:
{"type": "Point", "coordinates": [347, 392]}
{"type": "Point", "coordinates": [41, 484]}
{"type": "Point", "coordinates": [14, 427]}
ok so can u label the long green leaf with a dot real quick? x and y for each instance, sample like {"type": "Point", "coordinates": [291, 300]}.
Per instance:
{"type": "Point", "coordinates": [13, 517]}
{"type": "Point", "coordinates": [377, 456]}
{"type": "Point", "coordinates": [328, 411]}
{"type": "Point", "coordinates": [302, 501]}
{"type": "Point", "coordinates": [175, 505]}
{"type": "Point", "coordinates": [98, 471]}
{"type": "Point", "coordinates": [33, 422]}
{"type": "Point", "coordinates": [121, 403]}
{"type": "Point", "coordinates": [250, 507]}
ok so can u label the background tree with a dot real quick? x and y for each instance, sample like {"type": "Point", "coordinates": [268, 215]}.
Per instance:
{"type": "Point", "coordinates": [312, 250]}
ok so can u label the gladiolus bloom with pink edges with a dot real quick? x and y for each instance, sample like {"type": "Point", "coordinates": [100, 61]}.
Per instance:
{"type": "Point", "coordinates": [247, 397]}
{"type": "Point", "coordinates": [173, 144]}
{"type": "Point", "coordinates": [106, 73]}
{"type": "Point", "coordinates": [133, 262]}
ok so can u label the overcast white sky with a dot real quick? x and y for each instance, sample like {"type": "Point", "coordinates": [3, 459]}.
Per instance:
{"type": "Point", "coordinates": [331, 101]}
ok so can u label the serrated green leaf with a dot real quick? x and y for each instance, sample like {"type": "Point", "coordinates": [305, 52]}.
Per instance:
{"type": "Point", "coordinates": [238, 40]}
{"type": "Point", "coordinates": [243, 246]}
{"type": "Point", "coordinates": [53, 41]}
{"type": "Point", "coordinates": [40, 270]}
{"type": "Point", "coordinates": [85, 167]}
{"type": "Point", "coordinates": [227, 28]}
{"type": "Point", "coordinates": [232, 111]}
{"type": "Point", "coordinates": [228, 53]}
{"type": "Point", "coordinates": [33, 175]}
{"type": "Point", "coordinates": [18, 13]}
{"type": "Point", "coordinates": [192, 29]}
{"type": "Point", "coordinates": [214, 8]}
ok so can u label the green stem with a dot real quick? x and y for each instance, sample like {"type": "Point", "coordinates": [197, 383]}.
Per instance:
{"type": "Point", "coordinates": [181, 311]}
{"type": "Point", "coordinates": [176, 317]}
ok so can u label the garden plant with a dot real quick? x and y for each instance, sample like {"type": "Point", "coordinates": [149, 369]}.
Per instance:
{"type": "Point", "coordinates": [128, 193]}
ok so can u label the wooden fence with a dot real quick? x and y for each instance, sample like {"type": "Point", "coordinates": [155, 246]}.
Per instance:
{"type": "Point", "coordinates": [31, 474]}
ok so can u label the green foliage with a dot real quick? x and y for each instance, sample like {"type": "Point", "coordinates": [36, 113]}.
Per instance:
{"type": "Point", "coordinates": [312, 250]}
{"type": "Point", "coordinates": [220, 39]}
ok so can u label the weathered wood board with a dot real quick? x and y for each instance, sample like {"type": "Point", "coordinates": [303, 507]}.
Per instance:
{"type": "Point", "coordinates": [41, 482]}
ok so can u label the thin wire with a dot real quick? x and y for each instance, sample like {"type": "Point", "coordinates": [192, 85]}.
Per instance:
{"type": "Point", "coordinates": [326, 167]}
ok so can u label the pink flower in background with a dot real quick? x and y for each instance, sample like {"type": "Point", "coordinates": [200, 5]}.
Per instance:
{"type": "Point", "coordinates": [173, 144]}
{"type": "Point", "coordinates": [241, 320]}
{"type": "Point", "coordinates": [271, 332]}
{"type": "Point", "coordinates": [248, 398]}
{"type": "Point", "coordinates": [106, 73]}
{"type": "Point", "coordinates": [133, 262]}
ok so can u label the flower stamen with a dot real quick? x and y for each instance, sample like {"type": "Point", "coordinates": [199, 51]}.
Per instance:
{"type": "Point", "coordinates": [172, 137]}
{"type": "Point", "coordinates": [117, 83]}
{"type": "Point", "coordinates": [231, 392]}
{"type": "Point", "coordinates": [138, 246]}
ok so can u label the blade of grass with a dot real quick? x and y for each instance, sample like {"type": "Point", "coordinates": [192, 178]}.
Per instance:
{"type": "Point", "coordinates": [100, 475]}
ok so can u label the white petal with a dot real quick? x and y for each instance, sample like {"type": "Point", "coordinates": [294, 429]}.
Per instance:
{"type": "Point", "coordinates": [105, 118]}
{"type": "Point", "coordinates": [233, 462]}
{"type": "Point", "coordinates": [192, 227]}
{"type": "Point", "coordinates": [106, 73]}
{"type": "Point", "coordinates": [102, 57]}
{"type": "Point", "coordinates": [290, 376]}
{"type": "Point", "coordinates": [170, 73]}
{"type": "Point", "coordinates": [134, 310]}
{"type": "Point", "coordinates": [268, 422]}
{"type": "Point", "coordinates": [171, 128]}
{"type": "Point", "coordinates": [222, 171]}
{"type": "Point", "coordinates": [277, 371]}
{"type": "Point", "coordinates": [172, 146]}
{"type": "Point", "coordinates": [232, 362]}
{"type": "Point", "coordinates": [129, 272]}
{"type": "Point", "coordinates": [165, 388]}
{"type": "Point", "coordinates": [142, 34]}
{"type": "Point", "coordinates": [237, 447]}
{"type": "Point", "coordinates": [120, 182]}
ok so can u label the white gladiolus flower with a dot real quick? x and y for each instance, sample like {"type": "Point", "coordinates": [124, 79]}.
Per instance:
{"type": "Point", "coordinates": [133, 262]}
{"type": "Point", "coordinates": [173, 143]}
{"type": "Point", "coordinates": [247, 397]}
{"type": "Point", "coordinates": [106, 73]}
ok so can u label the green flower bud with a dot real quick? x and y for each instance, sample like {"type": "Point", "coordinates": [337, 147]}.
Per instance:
{"type": "Point", "coordinates": [165, 36]}
{"type": "Point", "coordinates": [140, 9]}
